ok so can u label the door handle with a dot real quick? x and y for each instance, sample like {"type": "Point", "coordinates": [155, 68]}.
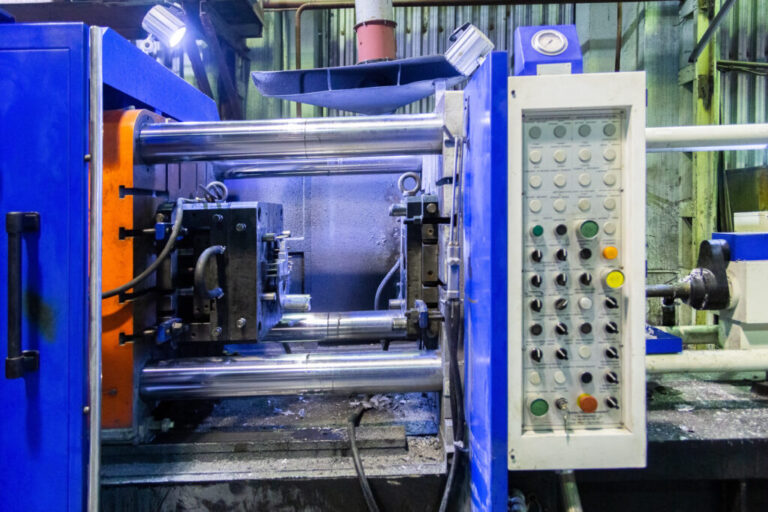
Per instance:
{"type": "Point", "coordinates": [18, 361]}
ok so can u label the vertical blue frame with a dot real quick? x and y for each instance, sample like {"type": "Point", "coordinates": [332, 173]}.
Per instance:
{"type": "Point", "coordinates": [485, 271]}
{"type": "Point", "coordinates": [43, 143]}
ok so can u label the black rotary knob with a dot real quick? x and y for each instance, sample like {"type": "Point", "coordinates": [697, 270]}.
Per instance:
{"type": "Point", "coordinates": [536, 280]}
{"type": "Point", "coordinates": [611, 328]}
{"type": "Point", "coordinates": [536, 305]}
{"type": "Point", "coordinates": [561, 230]}
{"type": "Point", "coordinates": [586, 377]}
{"type": "Point", "coordinates": [561, 255]}
{"type": "Point", "coordinates": [585, 253]}
{"type": "Point", "coordinates": [585, 279]}
{"type": "Point", "coordinates": [611, 378]}
{"type": "Point", "coordinates": [561, 304]}
{"type": "Point", "coordinates": [612, 402]}
{"type": "Point", "coordinates": [611, 303]}
{"type": "Point", "coordinates": [536, 255]}
{"type": "Point", "coordinates": [537, 355]}
{"type": "Point", "coordinates": [612, 353]}
{"type": "Point", "coordinates": [561, 354]}
{"type": "Point", "coordinates": [536, 329]}
{"type": "Point", "coordinates": [561, 328]}
{"type": "Point", "coordinates": [585, 328]}
{"type": "Point", "coordinates": [561, 279]}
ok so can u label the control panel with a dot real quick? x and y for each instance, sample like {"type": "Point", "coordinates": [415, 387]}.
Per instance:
{"type": "Point", "coordinates": [576, 271]}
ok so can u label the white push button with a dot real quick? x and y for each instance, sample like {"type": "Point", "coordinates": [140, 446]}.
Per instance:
{"type": "Point", "coordinates": [609, 154]}
{"type": "Point", "coordinates": [609, 179]}
{"type": "Point", "coordinates": [584, 204]}
{"type": "Point", "coordinates": [585, 179]}
{"type": "Point", "coordinates": [585, 155]}
{"type": "Point", "coordinates": [535, 181]}
{"type": "Point", "coordinates": [534, 156]}
{"type": "Point", "coordinates": [609, 228]}
{"type": "Point", "coordinates": [609, 203]}
{"type": "Point", "coordinates": [585, 303]}
{"type": "Point", "coordinates": [559, 377]}
{"type": "Point", "coordinates": [535, 205]}
{"type": "Point", "coordinates": [534, 378]}
{"type": "Point", "coordinates": [560, 156]}
{"type": "Point", "coordinates": [585, 352]}
{"type": "Point", "coordinates": [560, 180]}
{"type": "Point", "coordinates": [559, 205]}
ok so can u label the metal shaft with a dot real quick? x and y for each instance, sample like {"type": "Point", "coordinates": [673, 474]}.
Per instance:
{"type": "Point", "coordinates": [280, 138]}
{"type": "Point", "coordinates": [706, 138]}
{"type": "Point", "coordinates": [336, 373]}
{"type": "Point", "coordinates": [285, 167]}
{"type": "Point", "coordinates": [344, 326]}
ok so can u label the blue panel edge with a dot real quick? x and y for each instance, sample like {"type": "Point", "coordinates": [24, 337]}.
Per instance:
{"type": "Point", "coordinates": [485, 267]}
{"type": "Point", "coordinates": [745, 246]}
{"type": "Point", "coordinates": [661, 342]}
{"type": "Point", "coordinates": [135, 74]}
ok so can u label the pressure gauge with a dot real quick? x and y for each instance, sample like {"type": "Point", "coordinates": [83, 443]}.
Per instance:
{"type": "Point", "coordinates": [549, 42]}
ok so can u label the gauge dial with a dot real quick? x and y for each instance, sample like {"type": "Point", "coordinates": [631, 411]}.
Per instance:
{"type": "Point", "coordinates": [549, 42]}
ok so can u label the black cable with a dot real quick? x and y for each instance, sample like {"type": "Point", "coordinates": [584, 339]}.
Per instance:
{"type": "Point", "coordinates": [352, 423]}
{"type": "Point", "coordinates": [449, 482]}
{"type": "Point", "coordinates": [160, 257]}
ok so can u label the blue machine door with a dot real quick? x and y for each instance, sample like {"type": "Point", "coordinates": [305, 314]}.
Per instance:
{"type": "Point", "coordinates": [43, 144]}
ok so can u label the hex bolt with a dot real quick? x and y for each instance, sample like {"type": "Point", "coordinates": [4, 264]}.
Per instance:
{"type": "Point", "coordinates": [431, 208]}
{"type": "Point", "coordinates": [240, 226]}
{"type": "Point", "coordinates": [240, 323]}
{"type": "Point", "coordinates": [216, 332]}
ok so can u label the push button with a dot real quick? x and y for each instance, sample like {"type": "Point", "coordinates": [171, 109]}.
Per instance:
{"type": "Point", "coordinates": [587, 403]}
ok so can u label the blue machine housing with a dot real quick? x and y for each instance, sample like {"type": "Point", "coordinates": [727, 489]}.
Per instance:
{"type": "Point", "coordinates": [528, 59]}
{"type": "Point", "coordinates": [485, 271]}
{"type": "Point", "coordinates": [44, 116]}
{"type": "Point", "coordinates": [745, 246]}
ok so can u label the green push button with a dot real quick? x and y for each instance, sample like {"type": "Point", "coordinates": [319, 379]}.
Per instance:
{"type": "Point", "coordinates": [537, 230]}
{"type": "Point", "coordinates": [539, 407]}
{"type": "Point", "coordinates": [589, 229]}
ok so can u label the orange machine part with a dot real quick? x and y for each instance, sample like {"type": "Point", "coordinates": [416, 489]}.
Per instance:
{"type": "Point", "coordinates": [117, 268]}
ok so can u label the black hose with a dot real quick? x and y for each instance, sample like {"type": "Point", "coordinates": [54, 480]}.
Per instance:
{"type": "Point", "coordinates": [160, 257]}
{"type": "Point", "coordinates": [352, 422]}
{"type": "Point", "coordinates": [449, 482]}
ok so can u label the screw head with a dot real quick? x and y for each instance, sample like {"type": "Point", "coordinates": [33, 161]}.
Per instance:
{"type": "Point", "coordinates": [431, 208]}
{"type": "Point", "coordinates": [218, 218]}
{"type": "Point", "coordinates": [240, 226]}
{"type": "Point", "coordinates": [241, 323]}
{"type": "Point", "coordinates": [216, 332]}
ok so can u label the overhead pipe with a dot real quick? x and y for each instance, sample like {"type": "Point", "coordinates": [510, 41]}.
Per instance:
{"type": "Point", "coordinates": [375, 30]}
{"type": "Point", "coordinates": [707, 137]}
{"type": "Point", "coordinates": [291, 374]}
{"type": "Point", "coordinates": [292, 138]}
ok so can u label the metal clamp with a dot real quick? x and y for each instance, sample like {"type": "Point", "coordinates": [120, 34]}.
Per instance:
{"type": "Point", "coordinates": [18, 362]}
{"type": "Point", "coordinates": [202, 261]}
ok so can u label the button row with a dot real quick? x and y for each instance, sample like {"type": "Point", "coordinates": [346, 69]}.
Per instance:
{"type": "Point", "coordinates": [562, 328]}
{"type": "Point", "coordinates": [584, 130]}
{"type": "Point", "coordinates": [560, 180]}
{"type": "Point", "coordinates": [537, 355]}
{"type": "Point", "coordinates": [611, 278]}
{"type": "Point", "coordinates": [560, 205]}
{"type": "Point", "coordinates": [586, 402]}
{"type": "Point", "coordinates": [584, 303]}
{"type": "Point", "coordinates": [535, 156]}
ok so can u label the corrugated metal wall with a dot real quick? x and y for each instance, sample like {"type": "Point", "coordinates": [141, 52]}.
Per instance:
{"type": "Point", "coordinates": [744, 92]}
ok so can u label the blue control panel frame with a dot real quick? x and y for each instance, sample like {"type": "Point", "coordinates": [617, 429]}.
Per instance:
{"type": "Point", "coordinates": [43, 168]}
{"type": "Point", "coordinates": [485, 271]}
{"type": "Point", "coordinates": [528, 59]}
{"type": "Point", "coordinates": [745, 246]}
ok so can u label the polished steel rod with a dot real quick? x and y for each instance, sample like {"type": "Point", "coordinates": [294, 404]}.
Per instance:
{"type": "Point", "coordinates": [280, 138]}
{"type": "Point", "coordinates": [290, 374]}
{"type": "Point", "coordinates": [286, 167]}
{"type": "Point", "coordinates": [344, 326]}
{"type": "Point", "coordinates": [706, 137]}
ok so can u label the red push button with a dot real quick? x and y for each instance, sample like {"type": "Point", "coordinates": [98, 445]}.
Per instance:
{"type": "Point", "coordinates": [587, 403]}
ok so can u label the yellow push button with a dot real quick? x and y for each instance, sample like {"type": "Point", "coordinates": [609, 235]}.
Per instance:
{"type": "Point", "coordinates": [614, 279]}
{"type": "Point", "coordinates": [610, 252]}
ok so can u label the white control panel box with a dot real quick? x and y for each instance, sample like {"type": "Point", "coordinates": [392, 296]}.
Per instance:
{"type": "Point", "coordinates": [576, 221]}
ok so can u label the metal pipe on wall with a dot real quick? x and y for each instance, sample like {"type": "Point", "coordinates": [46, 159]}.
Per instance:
{"type": "Point", "coordinates": [343, 326]}
{"type": "Point", "coordinates": [335, 373]}
{"type": "Point", "coordinates": [279, 138]}
{"type": "Point", "coordinates": [706, 138]}
{"type": "Point", "coordinates": [264, 168]}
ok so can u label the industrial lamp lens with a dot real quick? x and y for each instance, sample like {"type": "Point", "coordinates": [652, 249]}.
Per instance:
{"type": "Point", "coordinates": [165, 24]}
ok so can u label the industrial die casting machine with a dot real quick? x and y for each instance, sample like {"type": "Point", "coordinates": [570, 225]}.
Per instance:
{"type": "Point", "coordinates": [192, 301]}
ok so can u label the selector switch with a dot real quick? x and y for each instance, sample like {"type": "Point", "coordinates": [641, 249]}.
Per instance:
{"type": "Point", "coordinates": [611, 303]}
{"type": "Point", "coordinates": [536, 280]}
{"type": "Point", "coordinates": [561, 255]}
{"type": "Point", "coordinates": [611, 328]}
{"type": "Point", "coordinates": [537, 355]}
{"type": "Point", "coordinates": [561, 328]}
{"type": "Point", "coordinates": [611, 378]}
{"type": "Point", "coordinates": [536, 305]}
{"type": "Point", "coordinates": [562, 354]}
{"type": "Point", "coordinates": [561, 279]}
{"type": "Point", "coordinates": [561, 304]}
{"type": "Point", "coordinates": [612, 402]}
{"type": "Point", "coordinates": [585, 279]}
{"type": "Point", "coordinates": [537, 255]}
{"type": "Point", "coordinates": [612, 353]}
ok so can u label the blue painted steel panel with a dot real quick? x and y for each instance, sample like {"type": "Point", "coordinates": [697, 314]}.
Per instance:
{"type": "Point", "coordinates": [43, 142]}
{"type": "Point", "coordinates": [374, 88]}
{"type": "Point", "coordinates": [485, 270]}
{"type": "Point", "coordinates": [660, 342]}
{"type": "Point", "coordinates": [134, 78]}
{"type": "Point", "coordinates": [745, 246]}
{"type": "Point", "coordinates": [527, 58]}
